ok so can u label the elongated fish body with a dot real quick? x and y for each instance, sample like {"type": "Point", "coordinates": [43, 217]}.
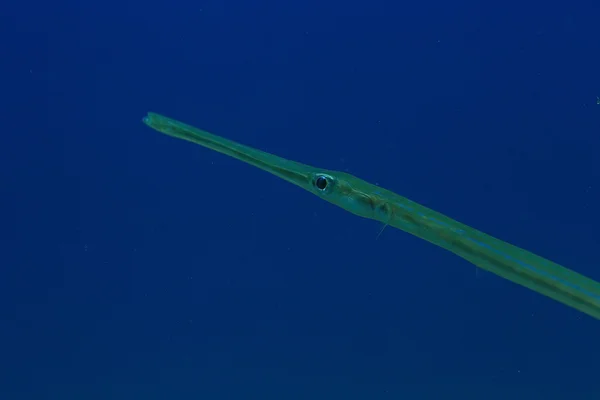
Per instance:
{"type": "Point", "coordinates": [369, 201]}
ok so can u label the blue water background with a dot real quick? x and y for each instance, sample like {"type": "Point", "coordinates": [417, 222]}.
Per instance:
{"type": "Point", "coordinates": [136, 266]}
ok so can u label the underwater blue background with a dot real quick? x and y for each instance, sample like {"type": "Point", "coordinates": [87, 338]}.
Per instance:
{"type": "Point", "coordinates": [137, 266]}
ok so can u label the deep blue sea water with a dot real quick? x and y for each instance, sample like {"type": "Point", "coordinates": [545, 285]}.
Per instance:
{"type": "Point", "coordinates": [137, 266]}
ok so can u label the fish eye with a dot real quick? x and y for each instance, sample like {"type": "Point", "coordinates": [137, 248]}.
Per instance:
{"type": "Point", "coordinates": [321, 182]}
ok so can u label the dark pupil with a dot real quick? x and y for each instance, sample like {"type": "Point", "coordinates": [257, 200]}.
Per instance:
{"type": "Point", "coordinates": [321, 183]}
